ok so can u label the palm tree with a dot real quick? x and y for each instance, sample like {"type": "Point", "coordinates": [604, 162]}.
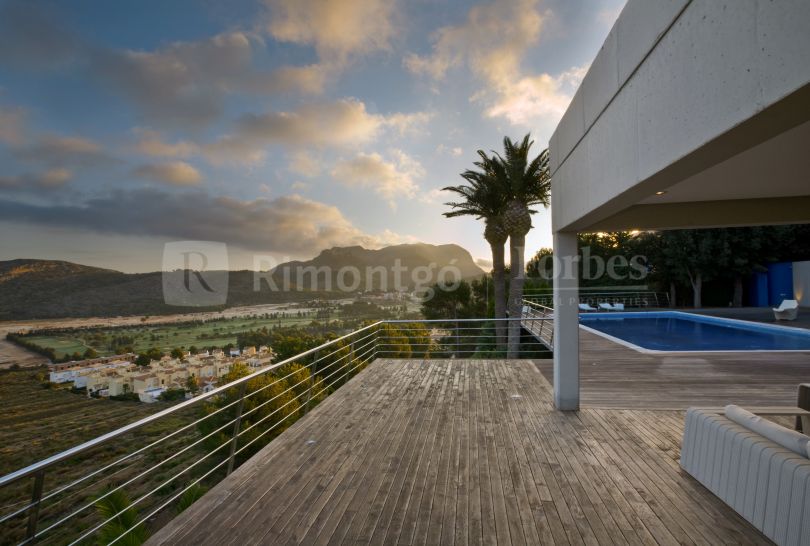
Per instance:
{"type": "Point", "coordinates": [123, 523]}
{"type": "Point", "coordinates": [486, 198]}
{"type": "Point", "coordinates": [528, 184]}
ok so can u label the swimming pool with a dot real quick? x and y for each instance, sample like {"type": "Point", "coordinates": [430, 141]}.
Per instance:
{"type": "Point", "coordinates": [675, 331]}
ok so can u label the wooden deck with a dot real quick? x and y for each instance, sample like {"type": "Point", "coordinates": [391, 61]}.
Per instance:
{"type": "Point", "coordinates": [462, 452]}
{"type": "Point", "coordinates": [615, 376]}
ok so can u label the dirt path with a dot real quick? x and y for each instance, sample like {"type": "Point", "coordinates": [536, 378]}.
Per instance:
{"type": "Point", "coordinates": [11, 354]}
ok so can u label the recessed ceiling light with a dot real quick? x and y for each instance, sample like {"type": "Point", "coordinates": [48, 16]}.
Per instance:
{"type": "Point", "coordinates": [660, 192]}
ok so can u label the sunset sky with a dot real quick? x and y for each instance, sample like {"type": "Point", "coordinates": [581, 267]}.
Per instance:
{"type": "Point", "coordinates": [279, 127]}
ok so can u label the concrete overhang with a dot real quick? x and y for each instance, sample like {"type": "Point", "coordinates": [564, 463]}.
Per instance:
{"type": "Point", "coordinates": [694, 114]}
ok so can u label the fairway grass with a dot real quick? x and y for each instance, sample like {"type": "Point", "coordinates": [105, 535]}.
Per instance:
{"type": "Point", "coordinates": [163, 336]}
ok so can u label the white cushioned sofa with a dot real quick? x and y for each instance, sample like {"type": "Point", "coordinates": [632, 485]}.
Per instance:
{"type": "Point", "coordinates": [757, 467]}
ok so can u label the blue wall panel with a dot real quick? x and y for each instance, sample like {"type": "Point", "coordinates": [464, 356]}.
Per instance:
{"type": "Point", "coordinates": [758, 290]}
{"type": "Point", "coordinates": [780, 282]}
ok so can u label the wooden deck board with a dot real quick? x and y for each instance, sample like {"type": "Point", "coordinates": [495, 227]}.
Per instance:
{"type": "Point", "coordinates": [463, 452]}
{"type": "Point", "coordinates": [614, 376]}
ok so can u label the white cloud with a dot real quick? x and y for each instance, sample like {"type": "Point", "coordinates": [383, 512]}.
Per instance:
{"type": "Point", "coordinates": [184, 83]}
{"type": "Point", "coordinates": [304, 163]}
{"type": "Point", "coordinates": [176, 173]}
{"type": "Point", "coordinates": [391, 180]}
{"type": "Point", "coordinates": [608, 16]}
{"type": "Point", "coordinates": [310, 79]}
{"type": "Point", "coordinates": [150, 143]}
{"type": "Point", "coordinates": [408, 123]}
{"type": "Point", "coordinates": [57, 153]}
{"type": "Point", "coordinates": [68, 145]}
{"type": "Point", "coordinates": [54, 178]}
{"type": "Point", "coordinates": [291, 224]}
{"type": "Point", "coordinates": [492, 42]}
{"type": "Point", "coordinates": [341, 123]}
{"type": "Point", "coordinates": [64, 151]}
{"type": "Point", "coordinates": [336, 29]}
{"type": "Point", "coordinates": [48, 180]}
{"type": "Point", "coordinates": [234, 149]}
{"type": "Point", "coordinates": [388, 238]}
{"type": "Point", "coordinates": [180, 84]}
{"type": "Point", "coordinates": [534, 97]}
{"type": "Point", "coordinates": [434, 196]}
{"type": "Point", "coordinates": [12, 126]}
{"type": "Point", "coordinates": [454, 151]}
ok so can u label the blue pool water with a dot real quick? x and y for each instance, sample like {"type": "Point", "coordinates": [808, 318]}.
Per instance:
{"type": "Point", "coordinates": [676, 331]}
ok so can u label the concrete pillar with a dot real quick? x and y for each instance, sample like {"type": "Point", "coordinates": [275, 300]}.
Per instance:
{"type": "Point", "coordinates": [566, 321]}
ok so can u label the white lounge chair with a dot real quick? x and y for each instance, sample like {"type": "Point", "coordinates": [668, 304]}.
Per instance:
{"type": "Point", "coordinates": [606, 307]}
{"type": "Point", "coordinates": [618, 307]}
{"type": "Point", "coordinates": [585, 307]}
{"type": "Point", "coordinates": [757, 467]}
{"type": "Point", "coordinates": [787, 310]}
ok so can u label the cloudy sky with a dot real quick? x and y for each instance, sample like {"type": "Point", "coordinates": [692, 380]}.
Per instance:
{"type": "Point", "coordinates": [280, 127]}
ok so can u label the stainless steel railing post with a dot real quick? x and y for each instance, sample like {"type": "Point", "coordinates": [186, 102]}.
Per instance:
{"type": "Point", "coordinates": [36, 497]}
{"type": "Point", "coordinates": [236, 425]}
{"type": "Point", "coordinates": [311, 382]}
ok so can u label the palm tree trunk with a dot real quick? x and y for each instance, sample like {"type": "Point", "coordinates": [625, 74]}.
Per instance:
{"type": "Point", "coordinates": [499, 288]}
{"type": "Point", "coordinates": [518, 278]}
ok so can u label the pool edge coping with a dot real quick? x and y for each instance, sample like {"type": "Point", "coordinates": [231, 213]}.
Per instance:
{"type": "Point", "coordinates": [643, 350]}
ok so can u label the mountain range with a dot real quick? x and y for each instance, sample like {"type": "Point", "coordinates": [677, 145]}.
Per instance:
{"type": "Point", "coordinates": [54, 289]}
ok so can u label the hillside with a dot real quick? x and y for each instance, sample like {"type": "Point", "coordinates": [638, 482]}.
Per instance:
{"type": "Point", "coordinates": [52, 289]}
{"type": "Point", "coordinates": [417, 263]}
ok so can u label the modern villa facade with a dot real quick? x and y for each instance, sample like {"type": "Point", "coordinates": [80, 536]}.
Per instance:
{"type": "Point", "coordinates": [694, 114]}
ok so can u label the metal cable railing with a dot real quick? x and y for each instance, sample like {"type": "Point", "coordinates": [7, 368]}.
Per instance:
{"type": "Point", "coordinates": [539, 320]}
{"type": "Point", "coordinates": [139, 470]}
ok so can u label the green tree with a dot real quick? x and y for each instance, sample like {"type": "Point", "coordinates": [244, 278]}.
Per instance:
{"type": "Point", "coordinates": [393, 341]}
{"type": "Point", "coordinates": [123, 519]}
{"type": "Point", "coordinates": [90, 353]}
{"type": "Point", "coordinates": [191, 384]}
{"type": "Point", "coordinates": [541, 264]}
{"type": "Point", "coordinates": [465, 302]}
{"type": "Point", "coordinates": [154, 353]}
{"type": "Point", "coordinates": [172, 395]}
{"type": "Point", "coordinates": [485, 197]}
{"type": "Point", "coordinates": [143, 359]}
{"type": "Point", "coordinates": [749, 249]}
{"type": "Point", "coordinates": [176, 353]}
{"type": "Point", "coordinates": [270, 407]}
{"type": "Point", "coordinates": [190, 496]}
{"type": "Point", "coordinates": [697, 255]}
{"type": "Point", "coordinates": [529, 184]}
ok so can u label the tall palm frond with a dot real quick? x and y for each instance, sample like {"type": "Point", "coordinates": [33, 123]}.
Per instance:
{"type": "Point", "coordinates": [529, 184]}
{"type": "Point", "coordinates": [485, 196]}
